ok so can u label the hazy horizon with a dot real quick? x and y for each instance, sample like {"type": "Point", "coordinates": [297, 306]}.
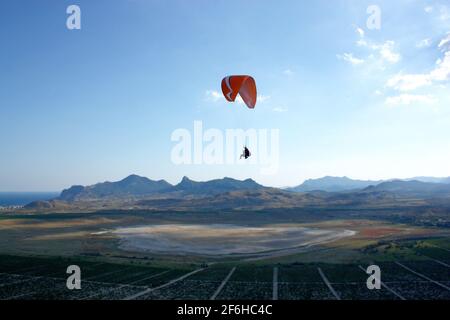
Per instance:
{"type": "Point", "coordinates": [4, 192]}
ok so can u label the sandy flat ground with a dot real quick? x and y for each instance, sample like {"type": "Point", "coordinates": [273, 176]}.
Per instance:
{"type": "Point", "coordinates": [222, 239]}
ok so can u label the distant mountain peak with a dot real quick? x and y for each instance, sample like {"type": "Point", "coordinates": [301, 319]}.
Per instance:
{"type": "Point", "coordinates": [339, 184]}
{"type": "Point", "coordinates": [215, 186]}
{"type": "Point", "coordinates": [186, 182]}
{"type": "Point", "coordinates": [412, 188]}
{"type": "Point", "coordinates": [132, 178]}
{"type": "Point", "coordinates": [332, 184]}
{"type": "Point", "coordinates": [133, 185]}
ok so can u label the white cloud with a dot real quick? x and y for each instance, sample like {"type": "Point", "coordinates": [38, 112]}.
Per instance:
{"type": "Point", "coordinates": [444, 44]}
{"type": "Point", "coordinates": [263, 98]}
{"type": "Point", "coordinates": [442, 70]}
{"type": "Point", "coordinates": [409, 82]}
{"type": "Point", "coordinates": [360, 32]}
{"type": "Point", "coordinates": [212, 95]}
{"type": "Point", "coordinates": [280, 109]}
{"type": "Point", "coordinates": [350, 58]}
{"type": "Point", "coordinates": [259, 99]}
{"type": "Point", "coordinates": [387, 52]}
{"type": "Point", "coordinates": [215, 96]}
{"type": "Point", "coordinates": [424, 43]}
{"type": "Point", "coordinates": [362, 43]}
{"type": "Point", "coordinates": [288, 72]}
{"type": "Point", "coordinates": [407, 99]}
{"type": "Point", "coordinates": [444, 13]}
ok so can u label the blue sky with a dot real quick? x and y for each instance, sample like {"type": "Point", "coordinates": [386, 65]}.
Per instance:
{"type": "Point", "coordinates": [96, 104]}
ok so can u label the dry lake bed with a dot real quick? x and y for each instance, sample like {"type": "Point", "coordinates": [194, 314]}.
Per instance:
{"type": "Point", "coordinates": [222, 239]}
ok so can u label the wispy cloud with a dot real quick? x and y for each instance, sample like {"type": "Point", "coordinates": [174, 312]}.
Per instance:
{"type": "Point", "coordinates": [444, 13]}
{"type": "Point", "coordinates": [360, 31]}
{"type": "Point", "coordinates": [212, 95]}
{"type": "Point", "coordinates": [280, 109]}
{"type": "Point", "coordinates": [407, 99]}
{"type": "Point", "coordinates": [410, 82]}
{"type": "Point", "coordinates": [444, 44]}
{"type": "Point", "coordinates": [441, 12]}
{"type": "Point", "coordinates": [405, 84]}
{"type": "Point", "coordinates": [378, 93]}
{"type": "Point", "coordinates": [260, 99]}
{"type": "Point", "coordinates": [288, 72]}
{"type": "Point", "coordinates": [424, 43]}
{"type": "Point", "coordinates": [383, 52]}
{"type": "Point", "coordinates": [350, 58]}
{"type": "Point", "coordinates": [387, 52]}
{"type": "Point", "coordinates": [263, 98]}
{"type": "Point", "coordinates": [216, 96]}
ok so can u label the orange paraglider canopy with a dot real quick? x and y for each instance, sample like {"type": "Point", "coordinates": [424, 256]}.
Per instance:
{"type": "Point", "coordinates": [245, 86]}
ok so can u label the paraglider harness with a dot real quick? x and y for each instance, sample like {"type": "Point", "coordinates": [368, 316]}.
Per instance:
{"type": "Point", "coordinates": [246, 153]}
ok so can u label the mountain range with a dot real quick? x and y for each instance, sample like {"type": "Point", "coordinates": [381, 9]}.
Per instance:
{"type": "Point", "coordinates": [132, 185]}
{"type": "Point", "coordinates": [333, 184]}
{"type": "Point", "coordinates": [412, 188]}
{"type": "Point", "coordinates": [135, 192]}
{"type": "Point", "coordinates": [339, 184]}
{"type": "Point", "coordinates": [135, 186]}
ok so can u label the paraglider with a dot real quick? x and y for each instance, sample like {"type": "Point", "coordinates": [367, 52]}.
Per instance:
{"type": "Point", "coordinates": [245, 86]}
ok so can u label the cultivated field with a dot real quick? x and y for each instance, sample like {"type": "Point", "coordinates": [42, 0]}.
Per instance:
{"type": "Point", "coordinates": [45, 278]}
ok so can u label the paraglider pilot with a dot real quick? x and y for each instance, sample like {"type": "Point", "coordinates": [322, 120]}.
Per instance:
{"type": "Point", "coordinates": [246, 153]}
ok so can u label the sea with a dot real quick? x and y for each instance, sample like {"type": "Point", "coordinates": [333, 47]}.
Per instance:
{"type": "Point", "coordinates": [22, 198]}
